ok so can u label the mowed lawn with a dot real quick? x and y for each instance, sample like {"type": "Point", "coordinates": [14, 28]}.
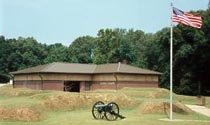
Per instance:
{"type": "Point", "coordinates": [84, 117]}
{"type": "Point", "coordinates": [60, 108]}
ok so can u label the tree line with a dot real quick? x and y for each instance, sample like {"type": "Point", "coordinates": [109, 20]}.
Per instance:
{"type": "Point", "coordinates": [191, 50]}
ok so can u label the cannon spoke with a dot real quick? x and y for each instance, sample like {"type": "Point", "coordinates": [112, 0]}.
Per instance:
{"type": "Point", "coordinates": [110, 116]}
{"type": "Point", "coordinates": [112, 112]}
{"type": "Point", "coordinates": [98, 115]}
{"type": "Point", "coordinates": [97, 111]}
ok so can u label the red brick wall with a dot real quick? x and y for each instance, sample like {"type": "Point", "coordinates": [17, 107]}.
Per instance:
{"type": "Point", "coordinates": [82, 86]}
{"type": "Point", "coordinates": [53, 85]}
{"type": "Point", "coordinates": [39, 85]}
{"type": "Point", "coordinates": [137, 84]}
{"type": "Point", "coordinates": [120, 85]}
{"type": "Point", "coordinates": [28, 84]}
{"type": "Point", "coordinates": [102, 85]}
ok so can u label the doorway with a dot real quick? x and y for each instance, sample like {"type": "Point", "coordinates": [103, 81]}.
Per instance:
{"type": "Point", "coordinates": [71, 86]}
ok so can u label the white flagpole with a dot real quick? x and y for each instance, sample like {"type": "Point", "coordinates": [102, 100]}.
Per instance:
{"type": "Point", "coordinates": [171, 66]}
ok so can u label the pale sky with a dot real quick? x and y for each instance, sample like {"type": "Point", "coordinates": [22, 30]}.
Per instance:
{"type": "Point", "coordinates": [62, 21]}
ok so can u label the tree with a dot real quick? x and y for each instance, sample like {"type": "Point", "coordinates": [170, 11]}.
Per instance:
{"type": "Point", "coordinates": [139, 41]}
{"type": "Point", "coordinates": [112, 46]}
{"type": "Point", "coordinates": [26, 52]}
{"type": "Point", "coordinates": [194, 49]}
{"type": "Point", "coordinates": [81, 50]}
{"type": "Point", "coordinates": [157, 55]}
{"type": "Point", "coordinates": [5, 49]}
{"type": "Point", "coordinates": [57, 53]}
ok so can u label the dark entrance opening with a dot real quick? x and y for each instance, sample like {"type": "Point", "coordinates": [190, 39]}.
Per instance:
{"type": "Point", "coordinates": [71, 86]}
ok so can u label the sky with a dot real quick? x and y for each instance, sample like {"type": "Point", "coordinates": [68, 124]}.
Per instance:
{"type": "Point", "coordinates": [62, 21]}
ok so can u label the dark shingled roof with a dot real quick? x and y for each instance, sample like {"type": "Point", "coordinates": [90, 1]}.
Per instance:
{"type": "Point", "coordinates": [58, 67]}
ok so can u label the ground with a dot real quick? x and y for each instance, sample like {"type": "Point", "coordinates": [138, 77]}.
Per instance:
{"type": "Point", "coordinates": [200, 109]}
{"type": "Point", "coordinates": [84, 117]}
{"type": "Point", "coordinates": [24, 106]}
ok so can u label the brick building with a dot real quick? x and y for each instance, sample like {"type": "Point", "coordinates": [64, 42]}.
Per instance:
{"type": "Point", "coordinates": [84, 77]}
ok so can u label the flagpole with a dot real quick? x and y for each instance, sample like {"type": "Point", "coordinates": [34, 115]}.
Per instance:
{"type": "Point", "coordinates": [171, 66]}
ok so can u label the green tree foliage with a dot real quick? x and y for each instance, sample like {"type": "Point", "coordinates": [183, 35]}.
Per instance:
{"type": "Point", "coordinates": [138, 42]}
{"type": "Point", "coordinates": [57, 53]}
{"type": "Point", "coordinates": [19, 54]}
{"type": "Point", "coordinates": [25, 52]}
{"type": "Point", "coordinates": [158, 55]}
{"type": "Point", "coordinates": [190, 57]}
{"type": "Point", "coordinates": [113, 46]}
{"type": "Point", "coordinates": [81, 50]}
{"type": "Point", "coordinates": [4, 52]}
{"type": "Point", "coordinates": [195, 50]}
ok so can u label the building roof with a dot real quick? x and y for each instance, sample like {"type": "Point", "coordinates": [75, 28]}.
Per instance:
{"type": "Point", "coordinates": [59, 67]}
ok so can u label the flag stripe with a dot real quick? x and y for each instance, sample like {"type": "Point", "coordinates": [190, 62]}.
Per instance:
{"type": "Point", "coordinates": [178, 18]}
{"type": "Point", "coordinates": [186, 18]}
{"type": "Point", "coordinates": [186, 22]}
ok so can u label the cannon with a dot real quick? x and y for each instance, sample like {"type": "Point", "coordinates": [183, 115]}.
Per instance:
{"type": "Point", "coordinates": [109, 111]}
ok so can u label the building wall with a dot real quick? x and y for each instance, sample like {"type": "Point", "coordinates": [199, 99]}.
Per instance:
{"type": "Point", "coordinates": [119, 85]}
{"type": "Point", "coordinates": [125, 77]}
{"type": "Point", "coordinates": [119, 81]}
{"type": "Point", "coordinates": [82, 86]}
{"type": "Point", "coordinates": [98, 81]}
{"type": "Point", "coordinates": [103, 77]}
{"type": "Point", "coordinates": [137, 77]}
{"type": "Point", "coordinates": [67, 77]}
{"type": "Point", "coordinates": [53, 85]}
{"type": "Point", "coordinates": [26, 77]}
{"type": "Point", "coordinates": [103, 85]}
{"type": "Point", "coordinates": [54, 76]}
{"type": "Point", "coordinates": [40, 85]}
{"type": "Point", "coordinates": [36, 84]}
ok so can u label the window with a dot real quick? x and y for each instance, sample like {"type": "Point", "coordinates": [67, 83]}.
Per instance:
{"type": "Point", "coordinates": [87, 86]}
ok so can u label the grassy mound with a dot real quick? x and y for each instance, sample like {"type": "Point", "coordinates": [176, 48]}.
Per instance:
{"type": "Point", "coordinates": [163, 108]}
{"type": "Point", "coordinates": [18, 114]}
{"type": "Point", "coordinates": [153, 93]}
{"type": "Point", "coordinates": [73, 101]}
{"type": "Point", "coordinates": [21, 104]}
{"type": "Point", "coordinates": [121, 99]}
{"type": "Point", "coordinates": [64, 101]}
{"type": "Point", "coordinates": [8, 90]}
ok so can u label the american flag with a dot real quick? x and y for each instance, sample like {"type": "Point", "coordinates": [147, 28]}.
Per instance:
{"type": "Point", "coordinates": [186, 18]}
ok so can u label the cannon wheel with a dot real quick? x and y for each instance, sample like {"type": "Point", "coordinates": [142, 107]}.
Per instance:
{"type": "Point", "coordinates": [98, 113]}
{"type": "Point", "coordinates": [113, 113]}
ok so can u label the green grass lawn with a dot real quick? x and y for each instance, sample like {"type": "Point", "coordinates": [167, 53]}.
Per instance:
{"type": "Point", "coordinates": [84, 117]}
{"type": "Point", "coordinates": [55, 108]}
